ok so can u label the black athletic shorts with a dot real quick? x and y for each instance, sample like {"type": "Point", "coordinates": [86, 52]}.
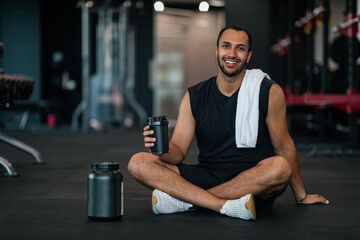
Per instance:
{"type": "Point", "coordinates": [207, 177]}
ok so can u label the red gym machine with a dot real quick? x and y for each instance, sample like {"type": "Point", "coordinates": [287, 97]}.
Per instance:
{"type": "Point", "coordinates": [348, 102]}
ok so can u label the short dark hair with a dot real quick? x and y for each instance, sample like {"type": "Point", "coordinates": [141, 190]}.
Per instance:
{"type": "Point", "coordinates": [237, 28]}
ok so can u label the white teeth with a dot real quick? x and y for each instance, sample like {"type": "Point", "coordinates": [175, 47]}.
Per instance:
{"type": "Point", "coordinates": [230, 62]}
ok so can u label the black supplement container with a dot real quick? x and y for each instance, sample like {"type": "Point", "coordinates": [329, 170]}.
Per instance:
{"type": "Point", "coordinates": [160, 127]}
{"type": "Point", "coordinates": [105, 192]}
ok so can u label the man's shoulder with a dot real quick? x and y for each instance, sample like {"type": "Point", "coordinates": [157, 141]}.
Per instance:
{"type": "Point", "coordinates": [266, 85]}
{"type": "Point", "coordinates": [202, 85]}
{"type": "Point", "coordinates": [268, 81]}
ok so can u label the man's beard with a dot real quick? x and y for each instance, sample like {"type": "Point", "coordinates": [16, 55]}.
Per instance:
{"type": "Point", "coordinates": [228, 73]}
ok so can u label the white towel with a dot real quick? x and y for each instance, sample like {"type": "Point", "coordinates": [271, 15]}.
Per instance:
{"type": "Point", "coordinates": [247, 109]}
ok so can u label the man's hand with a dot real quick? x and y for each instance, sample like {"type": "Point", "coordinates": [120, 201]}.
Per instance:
{"type": "Point", "coordinates": [313, 199]}
{"type": "Point", "coordinates": [148, 141]}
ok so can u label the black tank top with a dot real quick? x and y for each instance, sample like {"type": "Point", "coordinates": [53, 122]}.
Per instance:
{"type": "Point", "coordinates": [214, 114]}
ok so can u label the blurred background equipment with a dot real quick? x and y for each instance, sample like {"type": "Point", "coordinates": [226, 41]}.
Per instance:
{"type": "Point", "coordinates": [322, 96]}
{"type": "Point", "coordinates": [12, 88]}
{"type": "Point", "coordinates": [1, 49]}
{"type": "Point", "coordinates": [108, 87]}
{"type": "Point", "coordinates": [112, 63]}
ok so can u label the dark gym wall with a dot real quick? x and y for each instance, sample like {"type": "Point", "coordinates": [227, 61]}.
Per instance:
{"type": "Point", "coordinates": [255, 16]}
{"type": "Point", "coordinates": [144, 52]}
{"type": "Point", "coordinates": [61, 32]}
{"type": "Point", "coordinates": [21, 33]}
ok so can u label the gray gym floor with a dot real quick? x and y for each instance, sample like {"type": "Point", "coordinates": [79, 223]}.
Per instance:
{"type": "Point", "coordinates": [49, 201]}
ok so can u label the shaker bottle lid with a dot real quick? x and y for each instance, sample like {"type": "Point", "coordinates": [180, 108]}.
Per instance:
{"type": "Point", "coordinates": [157, 120]}
{"type": "Point", "coordinates": [105, 166]}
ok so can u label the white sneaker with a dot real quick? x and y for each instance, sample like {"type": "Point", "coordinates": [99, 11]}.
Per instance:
{"type": "Point", "coordinates": [243, 208]}
{"type": "Point", "coordinates": [163, 203]}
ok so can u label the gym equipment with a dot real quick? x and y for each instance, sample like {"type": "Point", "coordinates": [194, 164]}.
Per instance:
{"type": "Point", "coordinates": [348, 28]}
{"type": "Point", "coordinates": [105, 192]}
{"type": "Point", "coordinates": [325, 16]}
{"type": "Point", "coordinates": [338, 48]}
{"type": "Point", "coordinates": [349, 102]}
{"type": "Point", "coordinates": [307, 21]}
{"type": "Point", "coordinates": [12, 88]}
{"type": "Point", "coordinates": [15, 87]}
{"type": "Point", "coordinates": [282, 47]}
{"type": "Point", "coordinates": [109, 86]}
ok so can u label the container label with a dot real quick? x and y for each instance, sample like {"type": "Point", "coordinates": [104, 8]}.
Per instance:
{"type": "Point", "coordinates": [122, 198]}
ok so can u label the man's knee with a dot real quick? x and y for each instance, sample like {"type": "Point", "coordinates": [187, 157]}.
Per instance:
{"type": "Point", "coordinates": [283, 168]}
{"type": "Point", "coordinates": [138, 162]}
{"type": "Point", "coordinates": [279, 170]}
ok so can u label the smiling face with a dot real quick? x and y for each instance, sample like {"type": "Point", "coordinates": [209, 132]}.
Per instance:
{"type": "Point", "coordinates": [232, 53]}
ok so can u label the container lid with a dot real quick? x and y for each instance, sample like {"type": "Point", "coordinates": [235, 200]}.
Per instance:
{"type": "Point", "coordinates": [105, 166]}
{"type": "Point", "coordinates": [157, 120]}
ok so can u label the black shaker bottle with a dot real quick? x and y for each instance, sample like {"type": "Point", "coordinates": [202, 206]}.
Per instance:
{"type": "Point", "coordinates": [105, 192]}
{"type": "Point", "coordinates": [160, 127]}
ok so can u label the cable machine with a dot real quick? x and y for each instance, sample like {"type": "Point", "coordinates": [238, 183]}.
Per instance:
{"type": "Point", "coordinates": [108, 67]}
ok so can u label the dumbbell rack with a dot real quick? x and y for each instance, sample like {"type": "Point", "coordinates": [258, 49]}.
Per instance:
{"type": "Point", "coordinates": [348, 102]}
{"type": "Point", "coordinates": [15, 87]}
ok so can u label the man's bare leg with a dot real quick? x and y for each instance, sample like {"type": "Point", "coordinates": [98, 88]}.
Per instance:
{"type": "Point", "coordinates": [149, 170]}
{"type": "Point", "coordinates": [266, 179]}
{"type": "Point", "coordinates": [269, 176]}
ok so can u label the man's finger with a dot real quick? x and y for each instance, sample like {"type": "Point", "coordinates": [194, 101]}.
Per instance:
{"type": "Point", "coordinates": [320, 199]}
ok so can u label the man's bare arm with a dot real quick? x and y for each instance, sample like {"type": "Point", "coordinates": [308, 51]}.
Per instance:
{"type": "Point", "coordinates": [284, 145]}
{"type": "Point", "coordinates": [182, 137]}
